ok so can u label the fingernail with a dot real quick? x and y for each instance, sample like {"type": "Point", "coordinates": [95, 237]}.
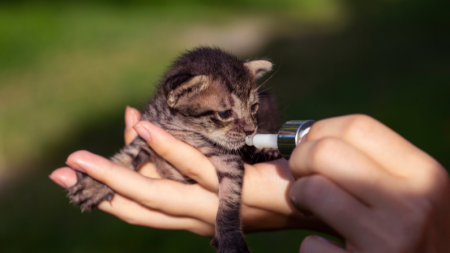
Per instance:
{"type": "Point", "coordinates": [296, 202]}
{"type": "Point", "coordinates": [77, 167]}
{"type": "Point", "coordinates": [63, 180]}
{"type": "Point", "coordinates": [143, 132]}
{"type": "Point", "coordinates": [299, 208]}
{"type": "Point", "coordinates": [328, 241]}
{"type": "Point", "coordinates": [303, 139]}
{"type": "Point", "coordinates": [58, 182]}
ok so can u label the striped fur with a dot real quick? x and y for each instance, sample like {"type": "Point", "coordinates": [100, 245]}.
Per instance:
{"type": "Point", "coordinates": [208, 99]}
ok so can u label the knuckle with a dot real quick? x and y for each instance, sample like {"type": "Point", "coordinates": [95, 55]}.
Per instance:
{"type": "Point", "coordinates": [417, 213]}
{"type": "Point", "coordinates": [322, 150]}
{"type": "Point", "coordinates": [163, 150]}
{"type": "Point", "coordinates": [316, 130]}
{"type": "Point", "coordinates": [148, 198]}
{"type": "Point", "coordinates": [358, 125]}
{"type": "Point", "coordinates": [438, 178]}
{"type": "Point", "coordinates": [409, 227]}
{"type": "Point", "coordinates": [432, 181]}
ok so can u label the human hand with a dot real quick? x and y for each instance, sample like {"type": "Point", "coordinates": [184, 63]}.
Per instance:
{"type": "Point", "coordinates": [144, 198]}
{"type": "Point", "coordinates": [377, 190]}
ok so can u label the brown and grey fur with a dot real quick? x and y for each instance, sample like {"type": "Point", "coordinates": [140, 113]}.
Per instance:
{"type": "Point", "coordinates": [202, 85]}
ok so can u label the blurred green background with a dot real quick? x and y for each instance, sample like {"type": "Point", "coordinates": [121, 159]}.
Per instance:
{"type": "Point", "coordinates": [69, 68]}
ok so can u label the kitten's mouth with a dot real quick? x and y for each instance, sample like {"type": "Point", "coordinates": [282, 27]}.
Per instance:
{"type": "Point", "coordinates": [236, 144]}
{"type": "Point", "coordinates": [236, 141]}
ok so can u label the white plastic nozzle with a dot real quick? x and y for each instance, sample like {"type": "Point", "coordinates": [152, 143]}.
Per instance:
{"type": "Point", "coordinates": [262, 140]}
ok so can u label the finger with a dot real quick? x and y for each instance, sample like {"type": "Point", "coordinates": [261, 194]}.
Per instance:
{"type": "Point", "coordinates": [317, 244]}
{"type": "Point", "coordinates": [255, 219]}
{"type": "Point", "coordinates": [64, 177]}
{"type": "Point", "coordinates": [377, 141]}
{"type": "Point", "coordinates": [333, 205]}
{"type": "Point", "coordinates": [132, 117]}
{"type": "Point", "coordinates": [168, 196]}
{"type": "Point", "coordinates": [176, 152]}
{"type": "Point", "coordinates": [148, 169]}
{"type": "Point", "coordinates": [133, 213]}
{"type": "Point", "coordinates": [264, 183]}
{"type": "Point", "coordinates": [351, 169]}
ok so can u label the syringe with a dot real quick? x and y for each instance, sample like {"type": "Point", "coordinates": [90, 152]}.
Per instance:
{"type": "Point", "coordinates": [288, 137]}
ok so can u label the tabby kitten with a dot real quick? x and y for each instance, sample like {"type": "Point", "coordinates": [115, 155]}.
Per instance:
{"type": "Point", "coordinates": [208, 99]}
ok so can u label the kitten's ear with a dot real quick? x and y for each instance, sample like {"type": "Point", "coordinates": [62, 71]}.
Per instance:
{"type": "Point", "coordinates": [258, 67]}
{"type": "Point", "coordinates": [187, 89]}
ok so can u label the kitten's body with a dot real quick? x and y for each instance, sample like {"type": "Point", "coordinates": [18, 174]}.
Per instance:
{"type": "Point", "coordinates": [209, 100]}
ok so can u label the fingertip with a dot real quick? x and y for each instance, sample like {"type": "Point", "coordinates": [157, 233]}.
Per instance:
{"type": "Point", "coordinates": [150, 131]}
{"type": "Point", "coordinates": [64, 177]}
{"type": "Point", "coordinates": [295, 197]}
{"type": "Point", "coordinates": [142, 131]}
{"type": "Point", "coordinates": [155, 131]}
{"type": "Point", "coordinates": [132, 117]}
{"type": "Point", "coordinates": [77, 155]}
{"type": "Point", "coordinates": [77, 159]}
{"type": "Point", "coordinates": [316, 243]}
{"type": "Point", "coordinates": [148, 125]}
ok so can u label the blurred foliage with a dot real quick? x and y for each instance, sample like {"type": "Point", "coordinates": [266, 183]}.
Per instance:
{"type": "Point", "coordinates": [58, 59]}
{"type": "Point", "coordinates": [68, 68]}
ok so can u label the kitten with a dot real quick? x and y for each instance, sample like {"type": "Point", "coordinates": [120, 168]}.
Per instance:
{"type": "Point", "coordinates": [208, 99]}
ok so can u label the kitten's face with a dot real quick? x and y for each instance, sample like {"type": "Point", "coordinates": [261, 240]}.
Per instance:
{"type": "Point", "coordinates": [224, 117]}
{"type": "Point", "coordinates": [215, 95]}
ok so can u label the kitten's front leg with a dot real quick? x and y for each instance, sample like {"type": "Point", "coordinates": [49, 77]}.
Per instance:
{"type": "Point", "coordinates": [229, 237]}
{"type": "Point", "coordinates": [88, 192]}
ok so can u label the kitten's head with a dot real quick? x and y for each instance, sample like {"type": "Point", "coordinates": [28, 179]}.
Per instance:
{"type": "Point", "coordinates": [215, 94]}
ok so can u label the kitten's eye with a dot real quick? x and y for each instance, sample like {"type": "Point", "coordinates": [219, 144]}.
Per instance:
{"type": "Point", "coordinates": [254, 107]}
{"type": "Point", "coordinates": [224, 114]}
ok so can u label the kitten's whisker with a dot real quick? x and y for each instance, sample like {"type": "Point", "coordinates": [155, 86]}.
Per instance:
{"type": "Point", "coordinates": [276, 71]}
{"type": "Point", "coordinates": [260, 123]}
{"type": "Point", "coordinates": [257, 88]}
{"type": "Point", "coordinates": [266, 89]}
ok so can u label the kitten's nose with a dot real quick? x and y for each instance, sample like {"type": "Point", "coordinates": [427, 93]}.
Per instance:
{"type": "Point", "coordinates": [249, 130]}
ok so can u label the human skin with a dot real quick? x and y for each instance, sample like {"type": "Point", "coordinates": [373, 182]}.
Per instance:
{"type": "Point", "coordinates": [144, 198]}
{"type": "Point", "coordinates": [376, 189]}
{"type": "Point", "coordinates": [370, 185]}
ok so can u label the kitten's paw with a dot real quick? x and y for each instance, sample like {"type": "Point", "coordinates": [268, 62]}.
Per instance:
{"type": "Point", "coordinates": [234, 244]}
{"type": "Point", "coordinates": [88, 193]}
{"type": "Point", "coordinates": [266, 155]}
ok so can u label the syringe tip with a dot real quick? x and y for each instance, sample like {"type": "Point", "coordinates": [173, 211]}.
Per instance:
{"type": "Point", "coordinates": [249, 140]}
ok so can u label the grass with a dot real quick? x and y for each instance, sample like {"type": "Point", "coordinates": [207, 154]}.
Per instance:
{"type": "Point", "coordinates": [61, 65]}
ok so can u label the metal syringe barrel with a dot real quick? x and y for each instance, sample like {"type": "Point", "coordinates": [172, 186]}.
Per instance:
{"type": "Point", "coordinates": [290, 135]}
